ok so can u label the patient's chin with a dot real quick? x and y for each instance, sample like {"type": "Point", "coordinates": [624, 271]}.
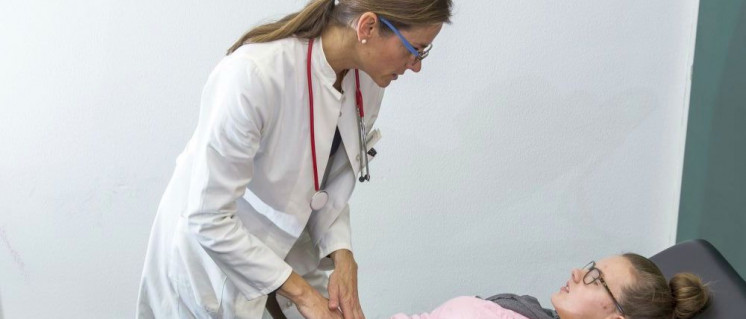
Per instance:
{"type": "Point", "coordinates": [559, 305]}
{"type": "Point", "coordinates": [555, 298]}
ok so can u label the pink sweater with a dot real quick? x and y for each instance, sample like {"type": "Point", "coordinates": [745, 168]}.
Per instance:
{"type": "Point", "coordinates": [466, 308]}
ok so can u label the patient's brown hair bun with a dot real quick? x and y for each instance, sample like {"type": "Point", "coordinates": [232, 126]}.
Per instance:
{"type": "Point", "coordinates": [651, 296]}
{"type": "Point", "coordinates": [689, 293]}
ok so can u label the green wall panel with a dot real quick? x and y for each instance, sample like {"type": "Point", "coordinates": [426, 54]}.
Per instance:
{"type": "Point", "coordinates": [713, 194]}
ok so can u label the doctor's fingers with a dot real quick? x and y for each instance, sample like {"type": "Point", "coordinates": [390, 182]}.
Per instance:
{"type": "Point", "coordinates": [352, 310]}
{"type": "Point", "coordinates": [350, 304]}
{"type": "Point", "coordinates": [315, 312]}
{"type": "Point", "coordinates": [345, 299]}
{"type": "Point", "coordinates": [327, 314]}
{"type": "Point", "coordinates": [336, 314]}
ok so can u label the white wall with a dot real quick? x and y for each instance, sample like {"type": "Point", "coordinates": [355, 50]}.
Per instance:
{"type": "Point", "coordinates": [539, 135]}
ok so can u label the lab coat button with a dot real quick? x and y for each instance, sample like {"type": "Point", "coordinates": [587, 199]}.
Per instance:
{"type": "Point", "coordinates": [357, 157]}
{"type": "Point", "coordinates": [340, 113]}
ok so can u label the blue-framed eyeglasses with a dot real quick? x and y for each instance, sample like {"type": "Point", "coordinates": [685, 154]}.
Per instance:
{"type": "Point", "coordinates": [418, 54]}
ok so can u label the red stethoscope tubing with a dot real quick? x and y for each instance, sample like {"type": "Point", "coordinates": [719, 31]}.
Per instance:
{"type": "Point", "coordinates": [358, 100]}
{"type": "Point", "coordinates": [310, 106]}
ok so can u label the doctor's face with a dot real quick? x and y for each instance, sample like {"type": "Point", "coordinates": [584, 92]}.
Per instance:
{"type": "Point", "coordinates": [576, 299]}
{"type": "Point", "coordinates": [387, 58]}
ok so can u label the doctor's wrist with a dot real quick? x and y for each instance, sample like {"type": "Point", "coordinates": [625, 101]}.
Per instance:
{"type": "Point", "coordinates": [296, 289]}
{"type": "Point", "coordinates": [342, 256]}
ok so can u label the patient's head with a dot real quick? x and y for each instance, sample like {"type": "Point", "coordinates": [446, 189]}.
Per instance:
{"type": "Point", "coordinates": [628, 286]}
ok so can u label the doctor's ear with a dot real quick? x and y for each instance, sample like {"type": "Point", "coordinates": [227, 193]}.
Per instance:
{"type": "Point", "coordinates": [367, 26]}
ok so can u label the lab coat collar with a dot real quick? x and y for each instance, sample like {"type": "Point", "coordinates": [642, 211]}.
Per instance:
{"type": "Point", "coordinates": [347, 124]}
{"type": "Point", "coordinates": [322, 67]}
{"type": "Point", "coordinates": [346, 118]}
{"type": "Point", "coordinates": [337, 110]}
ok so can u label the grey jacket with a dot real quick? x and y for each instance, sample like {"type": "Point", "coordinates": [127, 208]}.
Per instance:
{"type": "Point", "coordinates": [526, 305]}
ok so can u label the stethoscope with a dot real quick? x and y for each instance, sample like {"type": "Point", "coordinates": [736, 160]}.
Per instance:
{"type": "Point", "coordinates": [321, 197]}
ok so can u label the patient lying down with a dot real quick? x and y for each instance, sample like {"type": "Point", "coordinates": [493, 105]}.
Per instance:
{"type": "Point", "coordinates": [628, 286]}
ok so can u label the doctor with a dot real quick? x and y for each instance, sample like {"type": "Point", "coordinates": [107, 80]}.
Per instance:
{"type": "Point", "coordinates": [257, 204]}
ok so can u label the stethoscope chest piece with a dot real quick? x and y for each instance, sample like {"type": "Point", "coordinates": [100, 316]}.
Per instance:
{"type": "Point", "coordinates": [319, 200]}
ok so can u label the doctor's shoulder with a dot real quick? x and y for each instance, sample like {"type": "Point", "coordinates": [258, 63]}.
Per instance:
{"type": "Point", "coordinates": [266, 64]}
{"type": "Point", "coordinates": [270, 56]}
{"type": "Point", "coordinates": [256, 63]}
{"type": "Point", "coordinates": [242, 85]}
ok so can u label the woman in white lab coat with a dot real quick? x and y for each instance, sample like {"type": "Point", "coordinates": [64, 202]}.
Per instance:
{"type": "Point", "coordinates": [257, 203]}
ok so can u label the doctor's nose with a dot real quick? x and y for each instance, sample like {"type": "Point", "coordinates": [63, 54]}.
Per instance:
{"type": "Point", "coordinates": [415, 65]}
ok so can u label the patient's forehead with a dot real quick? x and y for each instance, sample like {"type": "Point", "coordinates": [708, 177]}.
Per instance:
{"type": "Point", "coordinates": [618, 273]}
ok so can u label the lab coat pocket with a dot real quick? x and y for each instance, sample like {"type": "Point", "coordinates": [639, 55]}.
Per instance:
{"type": "Point", "coordinates": [236, 306]}
{"type": "Point", "coordinates": [195, 307]}
{"type": "Point", "coordinates": [198, 281]}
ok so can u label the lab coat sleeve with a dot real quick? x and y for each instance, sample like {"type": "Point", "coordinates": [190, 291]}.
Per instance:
{"type": "Point", "coordinates": [233, 114]}
{"type": "Point", "coordinates": [337, 237]}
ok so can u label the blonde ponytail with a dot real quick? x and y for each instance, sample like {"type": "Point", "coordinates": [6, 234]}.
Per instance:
{"type": "Point", "coordinates": [307, 23]}
{"type": "Point", "coordinates": [317, 14]}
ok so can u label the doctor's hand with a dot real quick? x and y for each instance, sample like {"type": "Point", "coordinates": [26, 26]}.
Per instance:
{"type": "Point", "coordinates": [343, 285]}
{"type": "Point", "coordinates": [317, 308]}
{"type": "Point", "coordinates": [310, 303]}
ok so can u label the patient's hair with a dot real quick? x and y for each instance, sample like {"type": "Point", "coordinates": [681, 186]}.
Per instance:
{"type": "Point", "coordinates": [652, 297]}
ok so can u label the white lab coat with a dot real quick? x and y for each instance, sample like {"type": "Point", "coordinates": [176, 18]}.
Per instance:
{"type": "Point", "coordinates": [239, 196]}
